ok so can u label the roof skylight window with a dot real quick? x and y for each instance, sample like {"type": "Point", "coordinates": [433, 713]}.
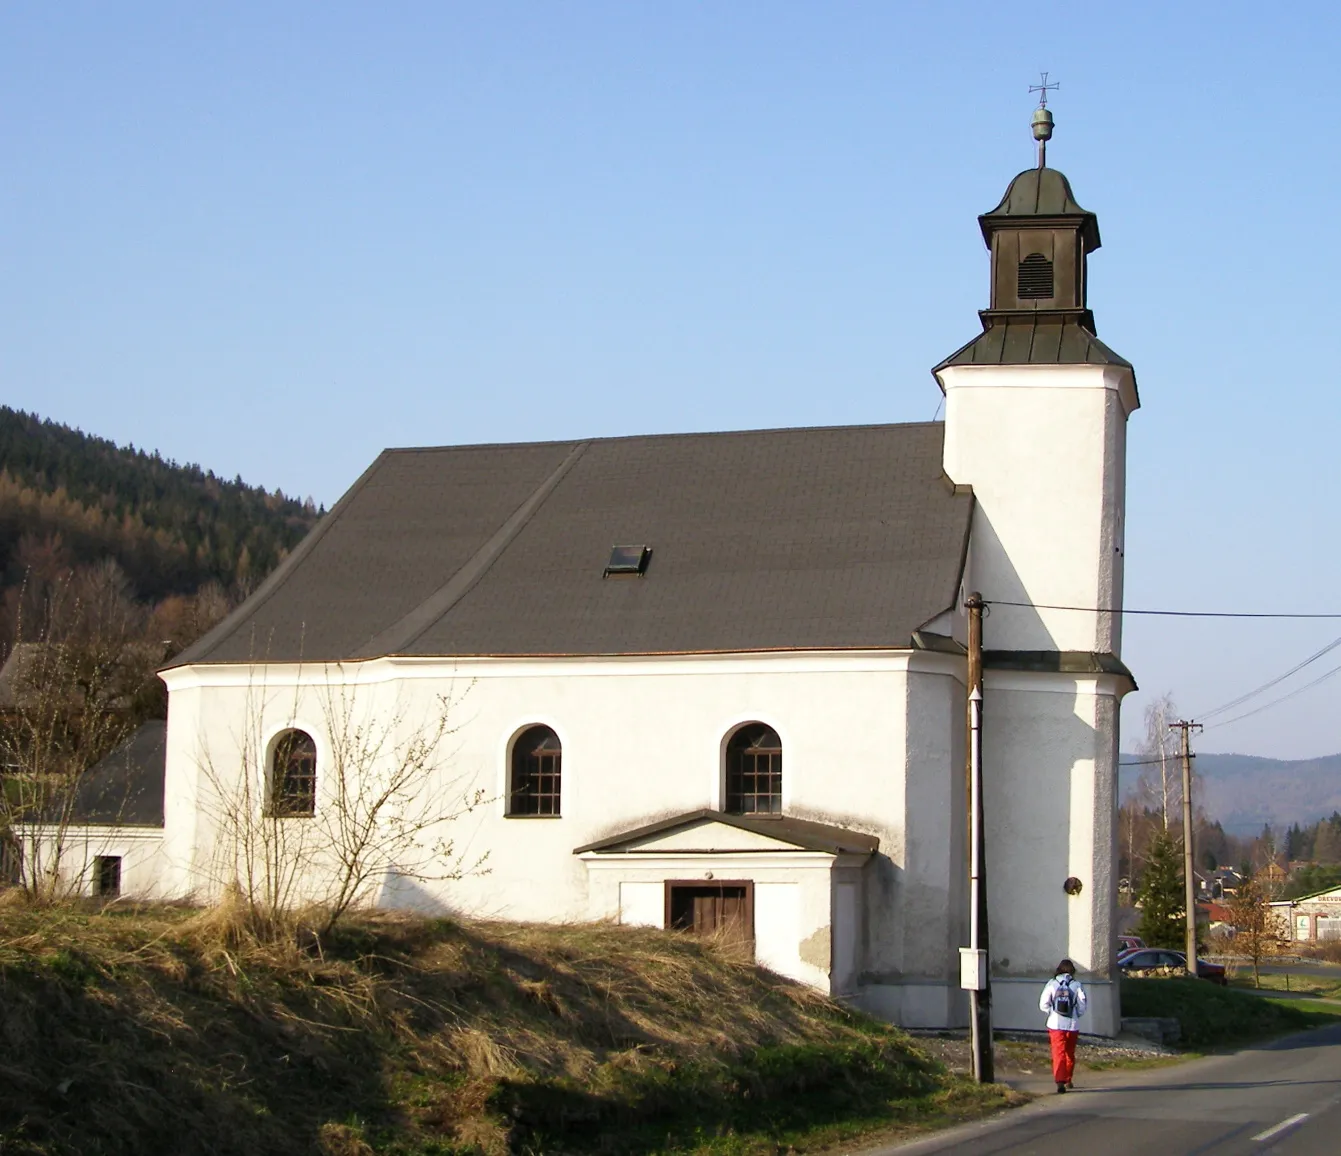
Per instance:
{"type": "Point", "coordinates": [625, 560]}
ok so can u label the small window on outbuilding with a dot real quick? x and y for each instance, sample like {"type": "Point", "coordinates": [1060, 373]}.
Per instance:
{"type": "Point", "coordinates": [1034, 282]}
{"type": "Point", "coordinates": [754, 771]}
{"type": "Point", "coordinates": [293, 776]}
{"type": "Point", "coordinates": [107, 876]}
{"type": "Point", "coordinates": [628, 560]}
{"type": "Point", "coordinates": [537, 773]}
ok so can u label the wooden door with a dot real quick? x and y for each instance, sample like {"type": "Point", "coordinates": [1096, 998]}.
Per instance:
{"type": "Point", "coordinates": [723, 911]}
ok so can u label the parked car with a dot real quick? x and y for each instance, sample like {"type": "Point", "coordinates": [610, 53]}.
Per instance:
{"type": "Point", "coordinates": [1129, 943]}
{"type": "Point", "coordinates": [1151, 957]}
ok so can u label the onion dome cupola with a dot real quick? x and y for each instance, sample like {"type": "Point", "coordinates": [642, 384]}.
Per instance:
{"type": "Point", "coordinates": [1040, 240]}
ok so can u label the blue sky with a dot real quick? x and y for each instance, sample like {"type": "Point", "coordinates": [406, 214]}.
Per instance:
{"type": "Point", "coordinates": [275, 238]}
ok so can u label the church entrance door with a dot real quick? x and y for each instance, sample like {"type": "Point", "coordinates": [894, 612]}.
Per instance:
{"type": "Point", "coordinates": [722, 910]}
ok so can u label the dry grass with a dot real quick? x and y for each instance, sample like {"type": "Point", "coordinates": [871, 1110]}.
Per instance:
{"type": "Point", "coordinates": [1329, 951]}
{"type": "Point", "coordinates": [167, 1029]}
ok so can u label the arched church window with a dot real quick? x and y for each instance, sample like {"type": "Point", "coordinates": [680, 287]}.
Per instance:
{"type": "Point", "coordinates": [293, 776]}
{"type": "Point", "coordinates": [537, 772]}
{"type": "Point", "coordinates": [1035, 278]}
{"type": "Point", "coordinates": [754, 771]}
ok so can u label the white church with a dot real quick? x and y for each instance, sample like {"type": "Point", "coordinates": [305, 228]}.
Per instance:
{"type": "Point", "coordinates": [715, 682]}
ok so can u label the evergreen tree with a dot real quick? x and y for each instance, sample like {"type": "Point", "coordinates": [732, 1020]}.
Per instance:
{"type": "Point", "coordinates": [1309, 880]}
{"type": "Point", "coordinates": [1327, 843]}
{"type": "Point", "coordinates": [1295, 843]}
{"type": "Point", "coordinates": [70, 501]}
{"type": "Point", "coordinates": [1163, 912]}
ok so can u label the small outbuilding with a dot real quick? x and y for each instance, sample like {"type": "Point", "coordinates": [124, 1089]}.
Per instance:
{"type": "Point", "coordinates": [1312, 918]}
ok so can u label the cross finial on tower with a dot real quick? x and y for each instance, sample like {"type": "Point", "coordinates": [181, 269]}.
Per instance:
{"type": "Point", "coordinates": [1042, 117]}
{"type": "Point", "coordinates": [1043, 88]}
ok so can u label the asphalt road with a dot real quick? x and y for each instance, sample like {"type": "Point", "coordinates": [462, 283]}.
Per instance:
{"type": "Point", "coordinates": [1282, 1098]}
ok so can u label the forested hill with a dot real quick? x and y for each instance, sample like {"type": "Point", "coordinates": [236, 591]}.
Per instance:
{"type": "Point", "coordinates": [70, 499]}
{"type": "Point", "coordinates": [1244, 792]}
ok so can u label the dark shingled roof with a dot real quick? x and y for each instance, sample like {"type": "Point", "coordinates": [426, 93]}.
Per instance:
{"type": "Point", "coordinates": [761, 540]}
{"type": "Point", "coordinates": [126, 788]}
{"type": "Point", "coordinates": [803, 833]}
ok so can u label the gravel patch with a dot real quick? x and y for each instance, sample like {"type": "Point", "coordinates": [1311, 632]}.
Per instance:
{"type": "Point", "coordinates": [1027, 1053]}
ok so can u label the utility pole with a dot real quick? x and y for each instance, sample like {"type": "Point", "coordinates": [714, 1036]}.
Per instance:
{"type": "Point", "coordinates": [974, 972]}
{"type": "Point", "coordinates": [1189, 880]}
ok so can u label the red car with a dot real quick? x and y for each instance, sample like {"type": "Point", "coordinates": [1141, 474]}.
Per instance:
{"type": "Point", "coordinates": [1151, 957]}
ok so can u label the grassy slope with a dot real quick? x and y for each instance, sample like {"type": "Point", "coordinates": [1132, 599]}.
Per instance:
{"type": "Point", "coordinates": [1288, 985]}
{"type": "Point", "coordinates": [1214, 1017]}
{"type": "Point", "coordinates": [160, 1031]}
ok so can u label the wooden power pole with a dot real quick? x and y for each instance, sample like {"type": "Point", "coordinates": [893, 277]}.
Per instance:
{"type": "Point", "coordinates": [974, 971]}
{"type": "Point", "coordinates": [1189, 861]}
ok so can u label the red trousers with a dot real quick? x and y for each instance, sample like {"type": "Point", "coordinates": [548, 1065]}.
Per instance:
{"type": "Point", "coordinates": [1063, 1054]}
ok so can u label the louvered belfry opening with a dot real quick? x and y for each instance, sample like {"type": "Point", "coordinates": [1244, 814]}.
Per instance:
{"type": "Point", "coordinates": [1035, 278]}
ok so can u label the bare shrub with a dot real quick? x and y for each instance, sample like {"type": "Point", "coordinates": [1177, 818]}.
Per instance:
{"type": "Point", "coordinates": [386, 807]}
{"type": "Point", "coordinates": [71, 681]}
{"type": "Point", "coordinates": [1255, 931]}
{"type": "Point", "coordinates": [384, 801]}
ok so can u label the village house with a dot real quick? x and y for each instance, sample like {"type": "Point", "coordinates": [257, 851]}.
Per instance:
{"type": "Point", "coordinates": [715, 681]}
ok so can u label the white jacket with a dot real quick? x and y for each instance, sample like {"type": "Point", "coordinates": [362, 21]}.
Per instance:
{"type": "Point", "coordinates": [1063, 1023]}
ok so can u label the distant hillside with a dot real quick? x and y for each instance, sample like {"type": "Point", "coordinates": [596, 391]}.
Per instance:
{"type": "Point", "coordinates": [1245, 791]}
{"type": "Point", "coordinates": [71, 499]}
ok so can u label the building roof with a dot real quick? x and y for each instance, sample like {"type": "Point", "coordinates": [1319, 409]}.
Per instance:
{"type": "Point", "coordinates": [1334, 890]}
{"type": "Point", "coordinates": [17, 671]}
{"type": "Point", "coordinates": [125, 789]}
{"type": "Point", "coordinates": [1036, 337]}
{"type": "Point", "coordinates": [803, 834]}
{"type": "Point", "coordinates": [1040, 193]}
{"type": "Point", "coordinates": [842, 538]}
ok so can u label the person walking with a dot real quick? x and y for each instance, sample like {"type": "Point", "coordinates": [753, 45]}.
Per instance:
{"type": "Point", "coordinates": [1064, 1000]}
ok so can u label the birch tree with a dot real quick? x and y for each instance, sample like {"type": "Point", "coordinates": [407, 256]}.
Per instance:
{"type": "Point", "coordinates": [1162, 777]}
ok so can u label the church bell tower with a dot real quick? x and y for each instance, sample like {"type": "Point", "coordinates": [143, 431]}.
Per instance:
{"type": "Point", "coordinates": [1036, 410]}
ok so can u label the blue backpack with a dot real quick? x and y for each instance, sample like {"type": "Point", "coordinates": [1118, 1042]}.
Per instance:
{"type": "Point", "coordinates": [1064, 999]}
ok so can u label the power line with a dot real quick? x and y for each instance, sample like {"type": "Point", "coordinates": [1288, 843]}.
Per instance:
{"type": "Point", "coordinates": [1216, 614]}
{"type": "Point", "coordinates": [1312, 658]}
{"type": "Point", "coordinates": [1278, 701]}
{"type": "Point", "coordinates": [1164, 613]}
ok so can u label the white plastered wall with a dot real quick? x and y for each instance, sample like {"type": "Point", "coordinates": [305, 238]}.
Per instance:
{"type": "Point", "coordinates": [1050, 767]}
{"type": "Point", "coordinates": [140, 850]}
{"type": "Point", "coordinates": [1044, 448]}
{"type": "Point", "coordinates": [643, 740]}
{"type": "Point", "coordinates": [912, 963]}
{"type": "Point", "coordinates": [794, 909]}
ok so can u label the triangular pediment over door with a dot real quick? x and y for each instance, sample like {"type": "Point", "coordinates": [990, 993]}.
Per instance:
{"type": "Point", "coordinates": [716, 832]}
